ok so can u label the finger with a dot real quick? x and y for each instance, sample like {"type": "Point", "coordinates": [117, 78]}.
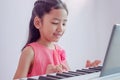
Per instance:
{"type": "Point", "coordinates": [59, 68]}
{"type": "Point", "coordinates": [50, 69]}
{"type": "Point", "coordinates": [93, 64]}
{"type": "Point", "coordinates": [97, 62]}
{"type": "Point", "coordinates": [65, 67]}
{"type": "Point", "coordinates": [88, 63]}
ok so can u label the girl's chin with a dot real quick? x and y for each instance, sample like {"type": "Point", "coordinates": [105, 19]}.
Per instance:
{"type": "Point", "coordinates": [56, 40]}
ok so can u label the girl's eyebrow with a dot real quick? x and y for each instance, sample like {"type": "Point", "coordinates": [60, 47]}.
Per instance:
{"type": "Point", "coordinates": [59, 19]}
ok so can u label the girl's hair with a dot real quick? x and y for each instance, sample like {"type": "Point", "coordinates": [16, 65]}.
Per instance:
{"type": "Point", "coordinates": [42, 7]}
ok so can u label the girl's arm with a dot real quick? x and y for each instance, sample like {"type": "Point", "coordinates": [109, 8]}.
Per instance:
{"type": "Point", "coordinates": [26, 60]}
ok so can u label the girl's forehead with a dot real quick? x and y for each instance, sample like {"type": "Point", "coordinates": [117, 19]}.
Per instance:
{"type": "Point", "coordinates": [57, 14]}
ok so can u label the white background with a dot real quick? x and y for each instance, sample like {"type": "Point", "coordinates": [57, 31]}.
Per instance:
{"type": "Point", "coordinates": [88, 30]}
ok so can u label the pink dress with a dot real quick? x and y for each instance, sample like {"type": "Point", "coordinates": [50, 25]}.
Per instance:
{"type": "Point", "coordinates": [44, 56]}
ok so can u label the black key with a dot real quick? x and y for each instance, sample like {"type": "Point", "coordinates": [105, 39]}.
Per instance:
{"type": "Point", "coordinates": [85, 70]}
{"type": "Point", "coordinates": [31, 79]}
{"type": "Point", "coordinates": [71, 73]}
{"type": "Point", "coordinates": [79, 73]}
{"type": "Point", "coordinates": [91, 70]}
{"type": "Point", "coordinates": [65, 75]}
{"type": "Point", "coordinates": [55, 76]}
{"type": "Point", "coordinates": [97, 68]}
{"type": "Point", "coordinates": [46, 78]}
{"type": "Point", "coordinates": [94, 70]}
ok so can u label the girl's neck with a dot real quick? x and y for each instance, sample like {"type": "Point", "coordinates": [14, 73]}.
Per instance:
{"type": "Point", "coordinates": [49, 45]}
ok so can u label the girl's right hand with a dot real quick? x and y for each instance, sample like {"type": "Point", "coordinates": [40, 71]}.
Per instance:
{"type": "Point", "coordinates": [55, 68]}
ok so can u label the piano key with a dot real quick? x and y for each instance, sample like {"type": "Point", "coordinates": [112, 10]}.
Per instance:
{"type": "Point", "coordinates": [81, 77]}
{"type": "Point", "coordinates": [84, 70]}
{"type": "Point", "coordinates": [47, 78]}
{"type": "Point", "coordinates": [97, 68]}
{"type": "Point", "coordinates": [55, 76]}
{"type": "Point", "coordinates": [65, 75]}
{"type": "Point", "coordinates": [91, 70]}
{"type": "Point", "coordinates": [84, 77]}
{"type": "Point", "coordinates": [80, 73]}
{"type": "Point", "coordinates": [71, 73]}
{"type": "Point", "coordinates": [31, 79]}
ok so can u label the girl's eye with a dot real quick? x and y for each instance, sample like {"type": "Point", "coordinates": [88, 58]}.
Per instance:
{"type": "Point", "coordinates": [55, 23]}
{"type": "Point", "coordinates": [64, 24]}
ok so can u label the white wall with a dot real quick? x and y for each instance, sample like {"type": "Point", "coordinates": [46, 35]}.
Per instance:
{"type": "Point", "coordinates": [14, 18]}
{"type": "Point", "coordinates": [88, 31]}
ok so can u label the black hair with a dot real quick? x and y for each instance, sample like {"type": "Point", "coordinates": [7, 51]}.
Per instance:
{"type": "Point", "coordinates": [42, 7]}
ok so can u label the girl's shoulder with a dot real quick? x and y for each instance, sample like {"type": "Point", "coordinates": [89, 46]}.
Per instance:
{"type": "Point", "coordinates": [34, 45]}
{"type": "Point", "coordinates": [27, 54]}
{"type": "Point", "coordinates": [28, 50]}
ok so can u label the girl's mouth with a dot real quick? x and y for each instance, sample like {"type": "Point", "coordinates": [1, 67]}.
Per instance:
{"type": "Point", "coordinates": [58, 35]}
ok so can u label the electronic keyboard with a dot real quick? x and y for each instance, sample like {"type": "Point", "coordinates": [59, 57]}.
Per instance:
{"type": "Point", "coordinates": [83, 74]}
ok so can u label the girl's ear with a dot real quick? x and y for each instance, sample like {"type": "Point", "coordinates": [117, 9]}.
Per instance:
{"type": "Point", "coordinates": [37, 22]}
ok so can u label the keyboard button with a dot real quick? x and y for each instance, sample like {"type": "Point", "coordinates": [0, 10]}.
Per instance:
{"type": "Point", "coordinates": [65, 75]}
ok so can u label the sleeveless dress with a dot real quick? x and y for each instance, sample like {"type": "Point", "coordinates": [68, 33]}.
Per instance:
{"type": "Point", "coordinates": [44, 56]}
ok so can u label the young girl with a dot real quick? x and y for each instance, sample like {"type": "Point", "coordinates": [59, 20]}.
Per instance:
{"type": "Point", "coordinates": [41, 55]}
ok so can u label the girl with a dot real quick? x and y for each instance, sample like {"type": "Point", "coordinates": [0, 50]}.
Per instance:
{"type": "Point", "coordinates": [41, 55]}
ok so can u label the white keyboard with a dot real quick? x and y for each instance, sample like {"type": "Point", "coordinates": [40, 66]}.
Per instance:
{"type": "Point", "coordinates": [84, 77]}
{"type": "Point", "coordinates": [83, 74]}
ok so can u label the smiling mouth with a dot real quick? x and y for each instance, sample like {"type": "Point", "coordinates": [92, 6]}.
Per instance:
{"type": "Point", "coordinates": [57, 35]}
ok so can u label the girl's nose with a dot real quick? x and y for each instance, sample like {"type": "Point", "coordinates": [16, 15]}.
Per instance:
{"type": "Point", "coordinates": [60, 28]}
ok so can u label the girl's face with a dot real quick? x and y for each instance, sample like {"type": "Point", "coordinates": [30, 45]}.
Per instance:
{"type": "Point", "coordinates": [53, 25]}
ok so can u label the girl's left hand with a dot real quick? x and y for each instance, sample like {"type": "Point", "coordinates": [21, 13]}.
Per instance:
{"type": "Point", "coordinates": [92, 64]}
